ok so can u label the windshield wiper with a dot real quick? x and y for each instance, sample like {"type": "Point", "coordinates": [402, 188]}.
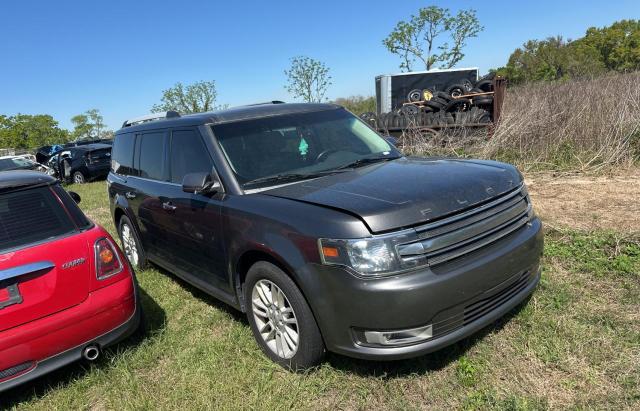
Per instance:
{"type": "Point", "coordinates": [290, 177]}
{"type": "Point", "coordinates": [277, 178]}
{"type": "Point", "coordinates": [366, 160]}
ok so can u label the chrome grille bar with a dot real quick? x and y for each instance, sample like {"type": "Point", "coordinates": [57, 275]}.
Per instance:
{"type": "Point", "coordinates": [461, 234]}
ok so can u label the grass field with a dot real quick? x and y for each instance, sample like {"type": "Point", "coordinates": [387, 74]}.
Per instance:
{"type": "Point", "coordinates": [574, 344]}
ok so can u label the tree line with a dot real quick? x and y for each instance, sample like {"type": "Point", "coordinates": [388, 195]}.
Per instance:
{"type": "Point", "coordinates": [26, 131]}
{"type": "Point", "coordinates": [614, 48]}
{"type": "Point", "coordinates": [433, 37]}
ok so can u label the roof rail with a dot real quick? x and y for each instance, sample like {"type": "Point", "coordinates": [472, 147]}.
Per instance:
{"type": "Point", "coordinates": [150, 117]}
{"type": "Point", "coordinates": [266, 102]}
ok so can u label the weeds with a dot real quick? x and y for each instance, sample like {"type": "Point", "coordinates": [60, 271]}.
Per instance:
{"type": "Point", "coordinates": [584, 125]}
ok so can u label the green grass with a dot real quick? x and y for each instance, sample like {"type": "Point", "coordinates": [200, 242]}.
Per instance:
{"type": "Point", "coordinates": [574, 344]}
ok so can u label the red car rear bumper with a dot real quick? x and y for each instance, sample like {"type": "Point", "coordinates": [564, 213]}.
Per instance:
{"type": "Point", "coordinates": [107, 315]}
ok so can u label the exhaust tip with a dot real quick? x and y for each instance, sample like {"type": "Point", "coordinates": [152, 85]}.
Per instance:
{"type": "Point", "coordinates": [91, 352]}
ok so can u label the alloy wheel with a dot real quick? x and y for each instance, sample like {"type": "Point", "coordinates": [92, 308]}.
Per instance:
{"type": "Point", "coordinates": [129, 245]}
{"type": "Point", "coordinates": [275, 319]}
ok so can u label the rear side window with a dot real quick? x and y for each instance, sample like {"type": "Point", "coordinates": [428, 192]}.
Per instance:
{"type": "Point", "coordinates": [188, 155]}
{"type": "Point", "coordinates": [122, 154]}
{"type": "Point", "coordinates": [152, 156]}
{"type": "Point", "coordinates": [78, 217]}
{"type": "Point", "coordinates": [30, 216]}
{"type": "Point", "coordinates": [100, 155]}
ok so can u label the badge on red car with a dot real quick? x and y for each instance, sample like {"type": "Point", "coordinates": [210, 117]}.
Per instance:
{"type": "Point", "coordinates": [73, 263]}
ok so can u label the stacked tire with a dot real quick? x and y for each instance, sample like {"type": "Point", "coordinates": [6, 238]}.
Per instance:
{"type": "Point", "coordinates": [443, 108]}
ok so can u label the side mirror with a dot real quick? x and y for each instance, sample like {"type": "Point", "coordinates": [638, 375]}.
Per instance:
{"type": "Point", "coordinates": [75, 196]}
{"type": "Point", "coordinates": [200, 183]}
{"type": "Point", "coordinates": [392, 140]}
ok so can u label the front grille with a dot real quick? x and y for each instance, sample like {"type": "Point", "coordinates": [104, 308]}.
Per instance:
{"type": "Point", "coordinates": [482, 307]}
{"type": "Point", "coordinates": [461, 234]}
{"type": "Point", "coordinates": [459, 316]}
{"type": "Point", "coordinates": [15, 370]}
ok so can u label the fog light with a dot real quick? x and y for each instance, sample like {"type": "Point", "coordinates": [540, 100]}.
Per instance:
{"type": "Point", "coordinates": [399, 337]}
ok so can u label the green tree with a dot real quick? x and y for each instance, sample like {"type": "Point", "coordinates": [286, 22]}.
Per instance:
{"type": "Point", "coordinates": [24, 131]}
{"type": "Point", "coordinates": [357, 104]}
{"type": "Point", "coordinates": [88, 125]}
{"type": "Point", "coordinates": [616, 47]}
{"type": "Point", "coordinates": [421, 37]}
{"type": "Point", "coordinates": [194, 98]}
{"type": "Point", "coordinates": [308, 79]}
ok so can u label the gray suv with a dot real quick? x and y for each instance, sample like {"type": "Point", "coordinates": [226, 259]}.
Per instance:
{"type": "Point", "coordinates": [321, 231]}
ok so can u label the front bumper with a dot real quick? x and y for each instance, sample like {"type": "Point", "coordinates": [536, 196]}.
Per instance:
{"type": "Point", "coordinates": [459, 297]}
{"type": "Point", "coordinates": [107, 316]}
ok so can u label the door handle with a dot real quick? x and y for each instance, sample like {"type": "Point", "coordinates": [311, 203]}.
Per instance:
{"type": "Point", "coordinates": [168, 206]}
{"type": "Point", "coordinates": [130, 195]}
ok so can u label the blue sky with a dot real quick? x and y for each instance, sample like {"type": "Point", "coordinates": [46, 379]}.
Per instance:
{"type": "Point", "coordinates": [64, 57]}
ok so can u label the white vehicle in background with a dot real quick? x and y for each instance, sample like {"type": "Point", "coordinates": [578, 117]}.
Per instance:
{"type": "Point", "coordinates": [22, 162]}
{"type": "Point", "coordinates": [30, 157]}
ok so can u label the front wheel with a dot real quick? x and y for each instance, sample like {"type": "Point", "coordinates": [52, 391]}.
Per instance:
{"type": "Point", "coordinates": [79, 178]}
{"type": "Point", "coordinates": [280, 318]}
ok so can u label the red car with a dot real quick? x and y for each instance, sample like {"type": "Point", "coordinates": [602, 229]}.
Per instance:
{"type": "Point", "coordinates": [66, 290]}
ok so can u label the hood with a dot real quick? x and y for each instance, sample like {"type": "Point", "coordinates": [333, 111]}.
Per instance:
{"type": "Point", "coordinates": [407, 191]}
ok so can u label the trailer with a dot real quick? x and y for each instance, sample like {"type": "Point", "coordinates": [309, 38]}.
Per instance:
{"type": "Point", "coordinates": [479, 105]}
{"type": "Point", "coordinates": [392, 90]}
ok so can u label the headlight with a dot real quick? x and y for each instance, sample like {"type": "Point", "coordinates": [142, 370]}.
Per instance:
{"type": "Point", "coordinates": [368, 256]}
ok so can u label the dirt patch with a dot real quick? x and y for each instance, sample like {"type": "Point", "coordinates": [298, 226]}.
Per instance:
{"type": "Point", "coordinates": [581, 202]}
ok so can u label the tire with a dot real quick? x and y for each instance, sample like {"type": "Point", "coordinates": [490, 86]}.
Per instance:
{"type": "Point", "coordinates": [457, 90]}
{"type": "Point", "coordinates": [442, 100]}
{"type": "Point", "coordinates": [409, 110]}
{"type": "Point", "coordinates": [448, 118]}
{"type": "Point", "coordinates": [443, 96]}
{"type": "Point", "coordinates": [79, 178]}
{"type": "Point", "coordinates": [485, 85]}
{"type": "Point", "coordinates": [478, 115]}
{"type": "Point", "coordinates": [434, 105]}
{"type": "Point", "coordinates": [483, 100]}
{"type": "Point", "coordinates": [414, 95]}
{"type": "Point", "coordinates": [263, 281]}
{"type": "Point", "coordinates": [130, 243]}
{"type": "Point", "coordinates": [396, 121]}
{"type": "Point", "coordinates": [457, 105]}
{"type": "Point", "coordinates": [370, 118]}
{"type": "Point", "coordinates": [488, 76]}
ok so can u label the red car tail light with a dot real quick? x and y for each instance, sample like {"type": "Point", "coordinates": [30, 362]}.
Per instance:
{"type": "Point", "coordinates": [107, 259]}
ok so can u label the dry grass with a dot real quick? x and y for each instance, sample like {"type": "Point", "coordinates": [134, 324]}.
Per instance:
{"type": "Point", "coordinates": [604, 202]}
{"type": "Point", "coordinates": [582, 125]}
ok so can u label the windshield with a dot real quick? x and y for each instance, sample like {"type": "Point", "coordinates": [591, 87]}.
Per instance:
{"type": "Point", "coordinates": [300, 144]}
{"type": "Point", "coordinates": [15, 163]}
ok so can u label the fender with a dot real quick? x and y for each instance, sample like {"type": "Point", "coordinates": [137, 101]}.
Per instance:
{"type": "Point", "coordinates": [291, 250]}
{"type": "Point", "coordinates": [120, 202]}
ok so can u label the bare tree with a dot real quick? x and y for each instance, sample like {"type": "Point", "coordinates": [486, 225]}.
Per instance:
{"type": "Point", "coordinates": [308, 79]}
{"type": "Point", "coordinates": [419, 38]}
{"type": "Point", "coordinates": [194, 98]}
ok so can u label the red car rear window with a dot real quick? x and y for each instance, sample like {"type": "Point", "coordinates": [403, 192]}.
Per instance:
{"type": "Point", "coordinates": [31, 216]}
